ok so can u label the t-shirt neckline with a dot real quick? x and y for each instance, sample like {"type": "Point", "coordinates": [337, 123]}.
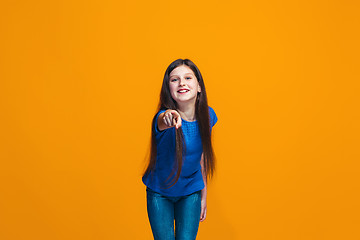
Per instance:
{"type": "Point", "coordinates": [188, 121]}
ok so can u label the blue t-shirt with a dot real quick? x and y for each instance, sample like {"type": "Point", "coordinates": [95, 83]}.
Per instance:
{"type": "Point", "coordinates": [191, 179]}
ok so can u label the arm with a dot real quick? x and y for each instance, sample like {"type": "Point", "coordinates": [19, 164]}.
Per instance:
{"type": "Point", "coordinates": [203, 191]}
{"type": "Point", "coordinates": [169, 118]}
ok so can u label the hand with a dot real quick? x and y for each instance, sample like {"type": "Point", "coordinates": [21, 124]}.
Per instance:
{"type": "Point", "coordinates": [172, 118]}
{"type": "Point", "coordinates": [203, 210]}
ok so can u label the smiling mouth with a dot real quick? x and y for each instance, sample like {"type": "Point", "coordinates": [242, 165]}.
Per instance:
{"type": "Point", "coordinates": [183, 91]}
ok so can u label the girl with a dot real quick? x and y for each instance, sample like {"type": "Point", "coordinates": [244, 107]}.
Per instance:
{"type": "Point", "coordinates": [181, 144]}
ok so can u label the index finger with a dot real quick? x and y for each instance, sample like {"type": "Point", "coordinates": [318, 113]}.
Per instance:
{"type": "Point", "coordinates": [178, 122]}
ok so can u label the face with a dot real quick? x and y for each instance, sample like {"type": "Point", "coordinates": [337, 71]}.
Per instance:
{"type": "Point", "coordinates": [183, 84]}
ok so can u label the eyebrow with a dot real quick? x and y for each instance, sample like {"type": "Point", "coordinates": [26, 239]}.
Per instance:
{"type": "Point", "coordinates": [184, 74]}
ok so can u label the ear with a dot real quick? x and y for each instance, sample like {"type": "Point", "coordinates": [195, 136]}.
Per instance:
{"type": "Point", "coordinates": [199, 88]}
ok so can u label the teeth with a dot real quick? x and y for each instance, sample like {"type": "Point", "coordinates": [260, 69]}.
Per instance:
{"type": "Point", "coordinates": [183, 91]}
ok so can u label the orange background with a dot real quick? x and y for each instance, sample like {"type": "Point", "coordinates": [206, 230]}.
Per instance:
{"type": "Point", "coordinates": [80, 81]}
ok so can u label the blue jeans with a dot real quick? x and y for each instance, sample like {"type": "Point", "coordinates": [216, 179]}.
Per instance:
{"type": "Point", "coordinates": [163, 210]}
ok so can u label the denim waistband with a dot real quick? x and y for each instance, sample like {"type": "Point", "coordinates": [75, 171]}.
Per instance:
{"type": "Point", "coordinates": [151, 190]}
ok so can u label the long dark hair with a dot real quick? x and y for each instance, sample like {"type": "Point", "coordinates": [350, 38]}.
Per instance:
{"type": "Point", "coordinates": [201, 115]}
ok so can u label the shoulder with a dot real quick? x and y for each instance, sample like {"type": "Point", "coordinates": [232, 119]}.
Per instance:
{"type": "Point", "coordinates": [160, 111]}
{"type": "Point", "coordinates": [213, 117]}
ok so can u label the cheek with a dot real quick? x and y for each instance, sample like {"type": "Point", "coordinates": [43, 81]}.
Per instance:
{"type": "Point", "coordinates": [195, 85]}
{"type": "Point", "coordinates": [172, 90]}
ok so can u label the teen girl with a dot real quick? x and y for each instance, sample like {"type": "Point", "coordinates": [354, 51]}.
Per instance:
{"type": "Point", "coordinates": [181, 144]}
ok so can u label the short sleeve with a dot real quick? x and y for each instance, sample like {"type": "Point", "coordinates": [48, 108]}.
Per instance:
{"type": "Point", "coordinates": [157, 131]}
{"type": "Point", "coordinates": [213, 117]}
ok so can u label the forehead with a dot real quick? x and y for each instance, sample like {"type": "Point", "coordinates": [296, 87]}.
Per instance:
{"type": "Point", "coordinates": [181, 70]}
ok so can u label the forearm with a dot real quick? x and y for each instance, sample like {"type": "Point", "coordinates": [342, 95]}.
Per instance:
{"type": "Point", "coordinates": [204, 190]}
{"type": "Point", "coordinates": [204, 193]}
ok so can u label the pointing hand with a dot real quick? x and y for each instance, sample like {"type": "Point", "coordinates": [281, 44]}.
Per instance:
{"type": "Point", "coordinates": [172, 118]}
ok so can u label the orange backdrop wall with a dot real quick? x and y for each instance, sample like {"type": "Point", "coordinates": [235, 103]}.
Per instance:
{"type": "Point", "coordinates": [80, 81]}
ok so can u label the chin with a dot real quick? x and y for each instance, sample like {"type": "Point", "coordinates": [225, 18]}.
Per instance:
{"type": "Point", "coordinates": [186, 100]}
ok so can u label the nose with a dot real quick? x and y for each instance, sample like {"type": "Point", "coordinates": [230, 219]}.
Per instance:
{"type": "Point", "coordinates": [181, 82]}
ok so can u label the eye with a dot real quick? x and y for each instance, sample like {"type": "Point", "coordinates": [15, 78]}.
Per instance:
{"type": "Point", "coordinates": [188, 77]}
{"type": "Point", "coordinates": [172, 80]}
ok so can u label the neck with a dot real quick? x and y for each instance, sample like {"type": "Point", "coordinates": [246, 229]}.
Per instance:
{"type": "Point", "coordinates": [187, 111]}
